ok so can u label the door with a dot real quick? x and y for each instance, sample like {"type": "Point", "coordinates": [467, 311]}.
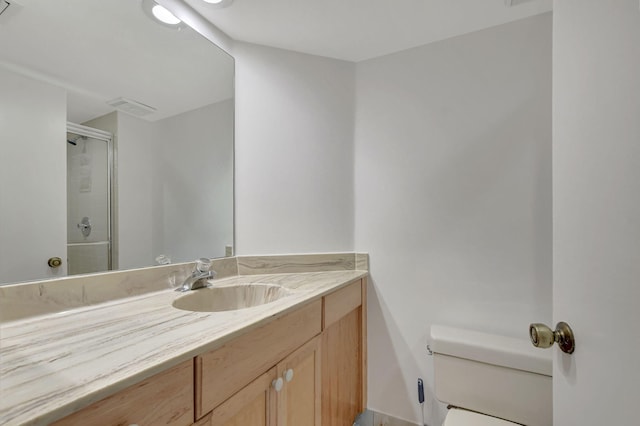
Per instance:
{"type": "Point", "coordinates": [596, 209]}
{"type": "Point", "coordinates": [33, 203]}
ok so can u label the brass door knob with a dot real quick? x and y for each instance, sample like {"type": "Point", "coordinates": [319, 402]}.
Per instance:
{"type": "Point", "coordinates": [54, 262]}
{"type": "Point", "coordinates": [543, 337]}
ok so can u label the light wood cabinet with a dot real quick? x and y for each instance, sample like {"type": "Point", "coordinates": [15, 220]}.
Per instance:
{"type": "Point", "coordinates": [223, 372]}
{"type": "Point", "coordinates": [295, 401]}
{"type": "Point", "coordinates": [316, 354]}
{"type": "Point", "coordinates": [328, 383]}
{"type": "Point", "coordinates": [163, 399]}
{"type": "Point", "coordinates": [344, 356]}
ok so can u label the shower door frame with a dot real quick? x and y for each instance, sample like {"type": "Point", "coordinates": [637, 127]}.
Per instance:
{"type": "Point", "coordinates": [107, 137]}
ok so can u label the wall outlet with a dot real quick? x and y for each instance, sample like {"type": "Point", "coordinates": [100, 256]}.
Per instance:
{"type": "Point", "coordinates": [228, 251]}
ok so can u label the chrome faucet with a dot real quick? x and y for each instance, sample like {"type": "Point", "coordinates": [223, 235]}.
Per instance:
{"type": "Point", "coordinates": [199, 276]}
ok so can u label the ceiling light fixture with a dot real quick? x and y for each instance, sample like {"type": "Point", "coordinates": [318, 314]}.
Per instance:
{"type": "Point", "coordinates": [219, 3]}
{"type": "Point", "coordinates": [161, 14]}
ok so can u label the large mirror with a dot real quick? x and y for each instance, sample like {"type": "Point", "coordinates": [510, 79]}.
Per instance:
{"type": "Point", "coordinates": [116, 139]}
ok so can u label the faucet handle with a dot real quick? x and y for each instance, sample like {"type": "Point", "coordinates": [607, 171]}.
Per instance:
{"type": "Point", "coordinates": [203, 264]}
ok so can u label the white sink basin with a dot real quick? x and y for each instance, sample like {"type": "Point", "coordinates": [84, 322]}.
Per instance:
{"type": "Point", "coordinates": [230, 298]}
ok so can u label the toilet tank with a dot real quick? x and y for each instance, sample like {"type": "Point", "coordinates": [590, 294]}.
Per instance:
{"type": "Point", "coordinates": [491, 374]}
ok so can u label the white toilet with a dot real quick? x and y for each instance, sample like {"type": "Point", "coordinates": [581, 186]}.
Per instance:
{"type": "Point", "coordinates": [491, 380]}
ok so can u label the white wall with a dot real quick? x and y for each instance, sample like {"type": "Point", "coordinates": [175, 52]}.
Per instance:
{"type": "Point", "coordinates": [596, 209]}
{"type": "Point", "coordinates": [175, 186]}
{"type": "Point", "coordinates": [294, 152]}
{"type": "Point", "coordinates": [134, 172]}
{"type": "Point", "coordinates": [193, 183]}
{"type": "Point", "coordinates": [33, 166]}
{"type": "Point", "coordinates": [453, 197]}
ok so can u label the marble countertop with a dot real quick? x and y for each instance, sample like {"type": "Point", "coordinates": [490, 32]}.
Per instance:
{"type": "Point", "coordinates": [55, 364]}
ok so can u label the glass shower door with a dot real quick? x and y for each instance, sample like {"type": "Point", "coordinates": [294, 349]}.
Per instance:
{"type": "Point", "coordinates": [88, 200]}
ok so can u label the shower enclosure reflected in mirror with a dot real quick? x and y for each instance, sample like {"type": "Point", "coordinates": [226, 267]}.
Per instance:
{"type": "Point", "coordinates": [165, 97]}
{"type": "Point", "coordinates": [89, 184]}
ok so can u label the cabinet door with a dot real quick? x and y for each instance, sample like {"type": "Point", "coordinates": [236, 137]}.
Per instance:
{"type": "Point", "coordinates": [254, 405]}
{"type": "Point", "coordinates": [342, 372]}
{"type": "Point", "coordinates": [300, 398]}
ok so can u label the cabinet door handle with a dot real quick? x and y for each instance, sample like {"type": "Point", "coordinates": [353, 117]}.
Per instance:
{"type": "Point", "coordinates": [288, 375]}
{"type": "Point", "coordinates": [278, 384]}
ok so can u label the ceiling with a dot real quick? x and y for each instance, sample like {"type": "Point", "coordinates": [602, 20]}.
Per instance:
{"type": "Point", "coordinates": [357, 30]}
{"type": "Point", "coordinates": [100, 50]}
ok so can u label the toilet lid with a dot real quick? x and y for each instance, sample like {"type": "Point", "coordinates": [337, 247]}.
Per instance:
{"type": "Point", "coordinates": [459, 417]}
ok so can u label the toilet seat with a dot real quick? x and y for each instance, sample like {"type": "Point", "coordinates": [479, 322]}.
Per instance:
{"type": "Point", "coordinates": [460, 417]}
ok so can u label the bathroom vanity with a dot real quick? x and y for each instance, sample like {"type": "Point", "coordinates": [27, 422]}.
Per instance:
{"type": "Point", "coordinates": [299, 360]}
